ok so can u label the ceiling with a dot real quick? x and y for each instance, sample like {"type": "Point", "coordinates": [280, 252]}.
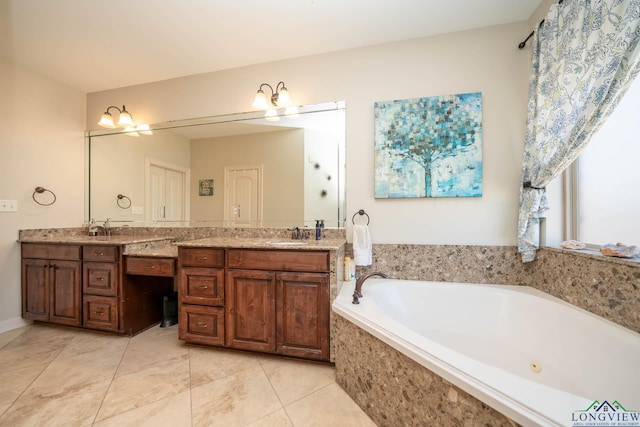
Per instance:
{"type": "Point", "coordinates": [96, 45]}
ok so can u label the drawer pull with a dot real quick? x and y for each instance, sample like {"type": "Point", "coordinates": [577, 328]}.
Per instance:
{"type": "Point", "coordinates": [100, 253]}
{"type": "Point", "coordinates": [99, 279]}
{"type": "Point", "coordinates": [203, 258]}
{"type": "Point", "coordinates": [202, 287]}
{"type": "Point", "coordinates": [201, 324]}
{"type": "Point", "coordinates": [99, 313]}
{"type": "Point", "coordinates": [151, 267]}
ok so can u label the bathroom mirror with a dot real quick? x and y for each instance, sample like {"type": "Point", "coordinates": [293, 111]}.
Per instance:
{"type": "Point", "coordinates": [238, 170]}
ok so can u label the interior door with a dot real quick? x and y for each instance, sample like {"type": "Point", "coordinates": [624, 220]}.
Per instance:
{"type": "Point", "coordinates": [243, 196]}
{"type": "Point", "coordinates": [166, 194]}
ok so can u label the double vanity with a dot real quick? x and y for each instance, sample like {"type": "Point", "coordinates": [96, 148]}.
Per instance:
{"type": "Point", "coordinates": [260, 294]}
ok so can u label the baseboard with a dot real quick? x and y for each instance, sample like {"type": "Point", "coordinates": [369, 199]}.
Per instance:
{"type": "Point", "coordinates": [14, 323]}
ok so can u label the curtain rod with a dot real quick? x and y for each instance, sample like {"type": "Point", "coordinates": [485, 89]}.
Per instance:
{"type": "Point", "coordinates": [524, 43]}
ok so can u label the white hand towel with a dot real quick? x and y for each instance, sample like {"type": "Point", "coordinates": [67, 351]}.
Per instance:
{"type": "Point", "coordinates": [361, 245]}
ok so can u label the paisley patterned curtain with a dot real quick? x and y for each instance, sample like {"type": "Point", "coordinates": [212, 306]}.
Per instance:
{"type": "Point", "coordinates": [586, 54]}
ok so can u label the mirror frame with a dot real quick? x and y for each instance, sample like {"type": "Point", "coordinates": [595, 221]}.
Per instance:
{"type": "Point", "coordinates": [233, 118]}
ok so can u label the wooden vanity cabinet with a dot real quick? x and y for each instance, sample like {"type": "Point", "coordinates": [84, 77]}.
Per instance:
{"type": "Point", "coordinates": [84, 285]}
{"type": "Point", "coordinates": [201, 295]}
{"type": "Point", "coordinates": [52, 283]}
{"type": "Point", "coordinates": [100, 287]}
{"type": "Point", "coordinates": [270, 301]}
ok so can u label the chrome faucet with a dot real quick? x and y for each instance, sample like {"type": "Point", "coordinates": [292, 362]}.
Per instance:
{"type": "Point", "coordinates": [299, 234]}
{"type": "Point", "coordinates": [358, 292]}
{"type": "Point", "coordinates": [107, 227]}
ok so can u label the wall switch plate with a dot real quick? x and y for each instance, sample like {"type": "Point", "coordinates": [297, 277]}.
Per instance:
{"type": "Point", "coordinates": [137, 210]}
{"type": "Point", "coordinates": [8, 206]}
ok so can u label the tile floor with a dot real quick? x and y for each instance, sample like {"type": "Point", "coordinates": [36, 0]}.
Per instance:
{"type": "Point", "coordinates": [55, 376]}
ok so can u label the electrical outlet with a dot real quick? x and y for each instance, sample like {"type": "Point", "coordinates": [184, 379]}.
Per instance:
{"type": "Point", "coordinates": [8, 206]}
{"type": "Point", "coordinates": [137, 210]}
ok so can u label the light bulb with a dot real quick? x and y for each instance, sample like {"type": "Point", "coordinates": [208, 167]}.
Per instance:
{"type": "Point", "coordinates": [260, 101]}
{"type": "Point", "coordinates": [106, 121]}
{"type": "Point", "coordinates": [125, 119]}
{"type": "Point", "coordinates": [283, 97]}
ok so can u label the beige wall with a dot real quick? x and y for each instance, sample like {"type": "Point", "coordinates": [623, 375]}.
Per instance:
{"type": "Point", "coordinates": [485, 60]}
{"type": "Point", "coordinates": [281, 155]}
{"type": "Point", "coordinates": [41, 134]}
{"type": "Point", "coordinates": [41, 144]}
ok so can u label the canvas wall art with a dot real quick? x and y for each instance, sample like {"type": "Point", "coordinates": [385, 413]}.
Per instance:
{"type": "Point", "coordinates": [429, 147]}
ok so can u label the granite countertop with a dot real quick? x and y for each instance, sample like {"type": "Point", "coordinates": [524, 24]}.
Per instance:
{"type": "Point", "coordinates": [262, 243]}
{"type": "Point", "coordinates": [169, 250]}
{"type": "Point", "coordinates": [91, 240]}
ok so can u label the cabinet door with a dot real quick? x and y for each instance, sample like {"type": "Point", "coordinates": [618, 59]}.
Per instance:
{"type": "Point", "coordinates": [35, 289]}
{"type": "Point", "coordinates": [202, 286]}
{"type": "Point", "coordinates": [302, 315]}
{"type": "Point", "coordinates": [249, 311]}
{"type": "Point", "coordinates": [66, 292]}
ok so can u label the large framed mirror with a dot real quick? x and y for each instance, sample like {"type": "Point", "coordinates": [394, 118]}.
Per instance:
{"type": "Point", "coordinates": [237, 170]}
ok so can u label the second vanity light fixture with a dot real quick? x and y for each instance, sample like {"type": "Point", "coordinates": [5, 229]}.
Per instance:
{"type": "Point", "coordinates": [124, 121]}
{"type": "Point", "coordinates": [279, 99]}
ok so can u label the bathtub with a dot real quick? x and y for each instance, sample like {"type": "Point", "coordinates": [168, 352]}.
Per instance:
{"type": "Point", "coordinates": [530, 356]}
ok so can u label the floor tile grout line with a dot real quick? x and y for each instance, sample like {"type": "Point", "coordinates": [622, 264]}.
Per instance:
{"type": "Point", "coordinates": [282, 406]}
{"type": "Point", "coordinates": [190, 390]}
{"type": "Point", "coordinates": [36, 378]}
{"type": "Point", "coordinates": [111, 382]}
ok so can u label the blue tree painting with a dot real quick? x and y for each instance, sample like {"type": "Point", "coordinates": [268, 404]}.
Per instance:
{"type": "Point", "coordinates": [429, 147]}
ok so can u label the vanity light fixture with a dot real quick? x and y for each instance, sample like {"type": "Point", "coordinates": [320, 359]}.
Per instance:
{"type": "Point", "coordinates": [279, 98]}
{"type": "Point", "coordinates": [124, 119]}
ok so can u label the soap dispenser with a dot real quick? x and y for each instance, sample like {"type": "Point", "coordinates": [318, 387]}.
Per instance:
{"type": "Point", "coordinates": [319, 227]}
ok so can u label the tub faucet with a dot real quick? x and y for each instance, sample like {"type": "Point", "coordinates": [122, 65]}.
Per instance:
{"type": "Point", "coordinates": [358, 292]}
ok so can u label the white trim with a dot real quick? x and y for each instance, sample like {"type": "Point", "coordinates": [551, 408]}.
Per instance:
{"type": "Point", "coordinates": [14, 323]}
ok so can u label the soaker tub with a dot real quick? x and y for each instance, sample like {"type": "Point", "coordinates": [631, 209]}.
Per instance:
{"type": "Point", "coordinates": [534, 358]}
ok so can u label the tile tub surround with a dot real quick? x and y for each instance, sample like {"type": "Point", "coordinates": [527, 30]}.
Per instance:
{"type": "Point", "coordinates": [606, 286]}
{"type": "Point", "coordinates": [395, 390]}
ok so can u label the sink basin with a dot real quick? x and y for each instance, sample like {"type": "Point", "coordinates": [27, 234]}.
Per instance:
{"type": "Point", "coordinates": [287, 243]}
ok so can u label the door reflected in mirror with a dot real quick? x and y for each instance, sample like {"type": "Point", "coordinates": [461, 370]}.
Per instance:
{"type": "Point", "coordinates": [237, 170]}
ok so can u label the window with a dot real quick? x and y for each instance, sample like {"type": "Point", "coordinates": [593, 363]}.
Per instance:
{"type": "Point", "coordinates": [608, 178]}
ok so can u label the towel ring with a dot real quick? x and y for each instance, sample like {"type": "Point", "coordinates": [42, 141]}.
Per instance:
{"type": "Point", "coordinates": [120, 197]}
{"type": "Point", "coordinates": [360, 212]}
{"type": "Point", "coordinates": [41, 190]}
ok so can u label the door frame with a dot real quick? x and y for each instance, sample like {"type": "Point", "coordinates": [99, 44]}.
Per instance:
{"type": "Point", "coordinates": [150, 161]}
{"type": "Point", "coordinates": [227, 170]}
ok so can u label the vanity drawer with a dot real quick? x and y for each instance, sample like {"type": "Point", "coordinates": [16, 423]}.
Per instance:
{"type": "Point", "coordinates": [203, 325]}
{"type": "Point", "coordinates": [151, 266]}
{"type": "Point", "coordinates": [100, 278]}
{"type": "Point", "coordinates": [100, 313]}
{"type": "Point", "coordinates": [201, 257]}
{"type": "Point", "coordinates": [100, 253]}
{"type": "Point", "coordinates": [304, 261]}
{"type": "Point", "coordinates": [204, 286]}
{"type": "Point", "coordinates": [47, 251]}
